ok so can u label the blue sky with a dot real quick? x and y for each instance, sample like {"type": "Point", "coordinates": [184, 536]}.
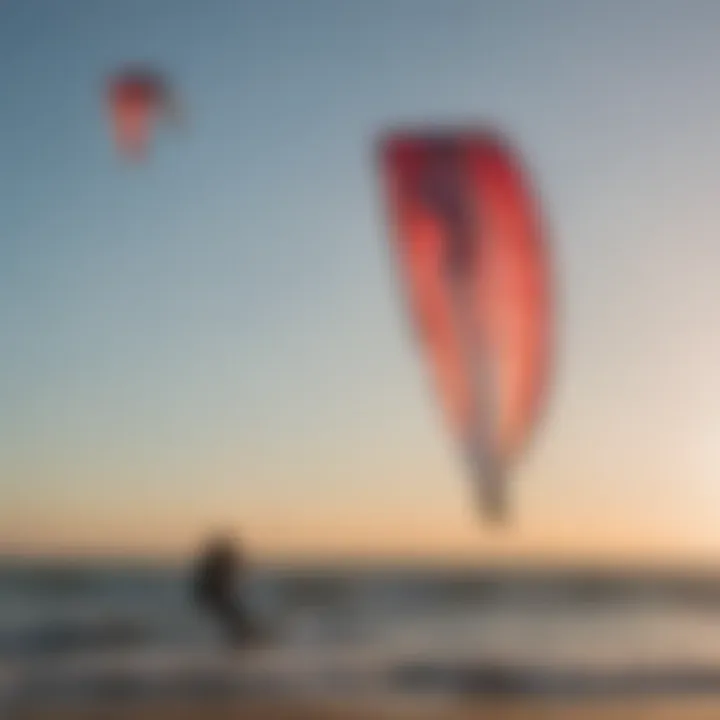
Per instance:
{"type": "Point", "coordinates": [216, 337]}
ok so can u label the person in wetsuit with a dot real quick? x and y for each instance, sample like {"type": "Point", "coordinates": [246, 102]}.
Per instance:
{"type": "Point", "coordinates": [218, 589]}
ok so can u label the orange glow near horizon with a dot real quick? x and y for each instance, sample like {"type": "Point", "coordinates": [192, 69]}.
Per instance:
{"type": "Point", "coordinates": [357, 537]}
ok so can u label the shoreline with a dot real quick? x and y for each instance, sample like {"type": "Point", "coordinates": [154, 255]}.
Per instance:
{"type": "Point", "coordinates": [520, 709]}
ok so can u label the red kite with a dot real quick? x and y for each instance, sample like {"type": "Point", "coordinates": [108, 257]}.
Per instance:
{"type": "Point", "coordinates": [138, 99]}
{"type": "Point", "coordinates": [471, 251]}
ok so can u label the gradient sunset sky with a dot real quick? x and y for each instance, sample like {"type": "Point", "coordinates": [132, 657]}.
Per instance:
{"type": "Point", "coordinates": [216, 339]}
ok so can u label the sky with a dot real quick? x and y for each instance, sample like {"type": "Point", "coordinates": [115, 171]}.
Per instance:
{"type": "Point", "coordinates": [215, 339]}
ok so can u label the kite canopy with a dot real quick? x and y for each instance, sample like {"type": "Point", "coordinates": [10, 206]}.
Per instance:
{"type": "Point", "coordinates": [472, 257]}
{"type": "Point", "coordinates": [138, 99]}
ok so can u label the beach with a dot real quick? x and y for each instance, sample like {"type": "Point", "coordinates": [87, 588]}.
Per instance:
{"type": "Point", "coordinates": [656, 709]}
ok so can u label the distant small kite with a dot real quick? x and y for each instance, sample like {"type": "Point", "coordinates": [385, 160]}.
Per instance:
{"type": "Point", "coordinates": [137, 99]}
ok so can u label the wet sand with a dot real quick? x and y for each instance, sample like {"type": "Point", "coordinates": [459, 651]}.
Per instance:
{"type": "Point", "coordinates": [657, 709]}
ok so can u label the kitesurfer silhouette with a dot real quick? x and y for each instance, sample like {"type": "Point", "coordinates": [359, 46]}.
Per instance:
{"type": "Point", "coordinates": [219, 588]}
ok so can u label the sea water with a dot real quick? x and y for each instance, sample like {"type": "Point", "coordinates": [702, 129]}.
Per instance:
{"type": "Point", "coordinates": [88, 630]}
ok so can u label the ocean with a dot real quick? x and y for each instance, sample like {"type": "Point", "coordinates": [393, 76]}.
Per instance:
{"type": "Point", "coordinates": [118, 630]}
